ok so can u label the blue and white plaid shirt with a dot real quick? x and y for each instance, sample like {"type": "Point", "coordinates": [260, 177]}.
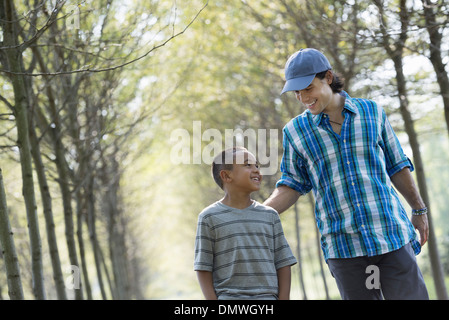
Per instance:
{"type": "Point", "coordinates": [357, 210]}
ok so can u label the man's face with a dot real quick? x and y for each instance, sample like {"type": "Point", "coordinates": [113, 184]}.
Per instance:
{"type": "Point", "coordinates": [317, 96]}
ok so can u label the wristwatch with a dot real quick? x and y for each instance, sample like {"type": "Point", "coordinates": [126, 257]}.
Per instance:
{"type": "Point", "coordinates": [419, 212]}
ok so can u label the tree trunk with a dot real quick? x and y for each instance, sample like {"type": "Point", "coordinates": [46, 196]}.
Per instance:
{"type": "Point", "coordinates": [64, 181]}
{"type": "Point", "coordinates": [106, 272]}
{"type": "Point", "coordinates": [63, 175]}
{"type": "Point", "coordinates": [15, 64]}
{"type": "Point", "coordinates": [395, 53]}
{"type": "Point", "coordinates": [298, 253]}
{"type": "Point", "coordinates": [435, 56]}
{"type": "Point", "coordinates": [15, 290]}
{"type": "Point", "coordinates": [437, 269]}
{"type": "Point", "coordinates": [318, 246]}
{"type": "Point", "coordinates": [48, 214]}
{"type": "Point", "coordinates": [93, 232]}
{"type": "Point", "coordinates": [116, 228]}
{"type": "Point", "coordinates": [80, 212]}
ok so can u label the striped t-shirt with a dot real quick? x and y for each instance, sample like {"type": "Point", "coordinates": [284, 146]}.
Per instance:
{"type": "Point", "coordinates": [243, 248]}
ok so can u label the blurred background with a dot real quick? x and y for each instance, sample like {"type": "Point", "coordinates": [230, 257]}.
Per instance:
{"type": "Point", "coordinates": [93, 95]}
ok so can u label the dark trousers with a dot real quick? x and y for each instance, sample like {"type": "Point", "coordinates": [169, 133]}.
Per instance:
{"type": "Point", "coordinates": [397, 273]}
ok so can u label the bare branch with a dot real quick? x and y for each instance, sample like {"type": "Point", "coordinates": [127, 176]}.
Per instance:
{"type": "Point", "coordinates": [113, 67]}
{"type": "Point", "coordinates": [39, 32]}
{"type": "Point", "coordinates": [5, 101]}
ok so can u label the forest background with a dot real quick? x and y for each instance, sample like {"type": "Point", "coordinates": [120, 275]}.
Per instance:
{"type": "Point", "coordinates": [104, 107]}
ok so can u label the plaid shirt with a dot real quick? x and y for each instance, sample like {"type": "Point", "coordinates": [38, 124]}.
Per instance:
{"type": "Point", "coordinates": [357, 210]}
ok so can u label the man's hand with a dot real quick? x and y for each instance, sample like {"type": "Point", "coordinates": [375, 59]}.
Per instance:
{"type": "Point", "coordinates": [403, 181]}
{"type": "Point", "coordinates": [422, 225]}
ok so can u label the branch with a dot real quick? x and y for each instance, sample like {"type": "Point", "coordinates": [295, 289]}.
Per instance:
{"type": "Point", "coordinates": [5, 101]}
{"type": "Point", "coordinates": [114, 67]}
{"type": "Point", "coordinates": [39, 32]}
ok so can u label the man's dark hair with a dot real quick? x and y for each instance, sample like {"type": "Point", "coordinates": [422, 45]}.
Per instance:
{"type": "Point", "coordinates": [338, 82]}
{"type": "Point", "coordinates": [224, 161]}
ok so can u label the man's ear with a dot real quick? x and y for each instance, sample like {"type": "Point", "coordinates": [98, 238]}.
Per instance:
{"type": "Point", "coordinates": [225, 176]}
{"type": "Point", "coordinates": [329, 77]}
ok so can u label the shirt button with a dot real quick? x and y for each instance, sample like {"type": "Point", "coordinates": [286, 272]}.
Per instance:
{"type": "Point", "coordinates": [353, 184]}
{"type": "Point", "coordinates": [362, 226]}
{"type": "Point", "coordinates": [348, 163]}
{"type": "Point", "coordinates": [358, 204]}
{"type": "Point", "coordinates": [344, 140]}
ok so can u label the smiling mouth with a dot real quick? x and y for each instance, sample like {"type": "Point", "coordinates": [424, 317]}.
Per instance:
{"type": "Point", "coordinates": [309, 105]}
{"type": "Point", "coordinates": [256, 179]}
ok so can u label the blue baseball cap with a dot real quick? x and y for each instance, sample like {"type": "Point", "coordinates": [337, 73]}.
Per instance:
{"type": "Point", "coordinates": [302, 67]}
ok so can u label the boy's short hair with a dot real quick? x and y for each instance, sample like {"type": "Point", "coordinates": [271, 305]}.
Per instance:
{"type": "Point", "coordinates": [224, 161]}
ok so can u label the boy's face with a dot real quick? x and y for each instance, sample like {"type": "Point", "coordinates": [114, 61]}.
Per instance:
{"type": "Point", "coordinates": [317, 96]}
{"type": "Point", "coordinates": [245, 174]}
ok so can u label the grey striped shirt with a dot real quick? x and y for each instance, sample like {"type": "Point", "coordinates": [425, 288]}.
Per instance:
{"type": "Point", "coordinates": [243, 248]}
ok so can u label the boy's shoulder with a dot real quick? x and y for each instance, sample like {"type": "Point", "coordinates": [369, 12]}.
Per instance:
{"type": "Point", "coordinates": [261, 207]}
{"type": "Point", "coordinates": [212, 209]}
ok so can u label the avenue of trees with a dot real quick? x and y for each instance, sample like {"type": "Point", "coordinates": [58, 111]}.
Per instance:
{"type": "Point", "coordinates": [92, 203]}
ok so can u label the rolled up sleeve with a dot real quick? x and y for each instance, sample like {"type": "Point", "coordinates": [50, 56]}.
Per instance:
{"type": "Point", "coordinates": [293, 168]}
{"type": "Point", "coordinates": [395, 159]}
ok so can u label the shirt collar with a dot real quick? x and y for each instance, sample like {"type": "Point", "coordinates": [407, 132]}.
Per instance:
{"type": "Point", "coordinates": [349, 106]}
{"type": "Point", "coordinates": [349, 103]}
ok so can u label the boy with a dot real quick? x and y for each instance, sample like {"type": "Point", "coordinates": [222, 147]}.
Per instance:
{"type": "Point", "coordinates": [240, 249]}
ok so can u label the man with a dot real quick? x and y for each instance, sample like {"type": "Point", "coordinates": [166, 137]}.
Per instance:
{"type": "Point", "coordinates": [345, 150]}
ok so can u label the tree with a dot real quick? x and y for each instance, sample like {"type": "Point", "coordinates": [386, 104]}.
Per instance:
{"type": "Point", "coordinates": [395, 50]}
{"type": "Point", "coordinates": [298, 253]}
{"type": "Point", "coordinates": [9, 249]}
{"type": "Point", "coordinates": [13, 62]}
{"type": "Point", "coordinates": [69, 118]}
{"type": "Point", "coordinates": [48, 212]}
{"type": "Point", "coordinates": [435, 57]}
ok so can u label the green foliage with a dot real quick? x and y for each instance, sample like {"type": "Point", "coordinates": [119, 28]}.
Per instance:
{"type": "Point", "coordinates": [226, 71]}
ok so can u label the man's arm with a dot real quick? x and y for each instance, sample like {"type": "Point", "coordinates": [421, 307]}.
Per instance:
{"type": "Point", "coordinates": [404, 183]}
{"type": "Point", "coordinates": [282, 198]}
{"type": "Point", "coordinates": [206, 284]}
{"type": "Point", "coordinates": [284, 281]}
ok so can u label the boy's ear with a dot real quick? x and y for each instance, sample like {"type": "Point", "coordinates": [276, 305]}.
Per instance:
{"type": "Point", "coordinates": [225, 176]}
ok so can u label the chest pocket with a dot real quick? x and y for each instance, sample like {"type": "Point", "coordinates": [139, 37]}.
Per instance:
{"type": "Point", "coordinates": [366, 140]}
{"type": "Point", "coordinates": [323, 158]}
